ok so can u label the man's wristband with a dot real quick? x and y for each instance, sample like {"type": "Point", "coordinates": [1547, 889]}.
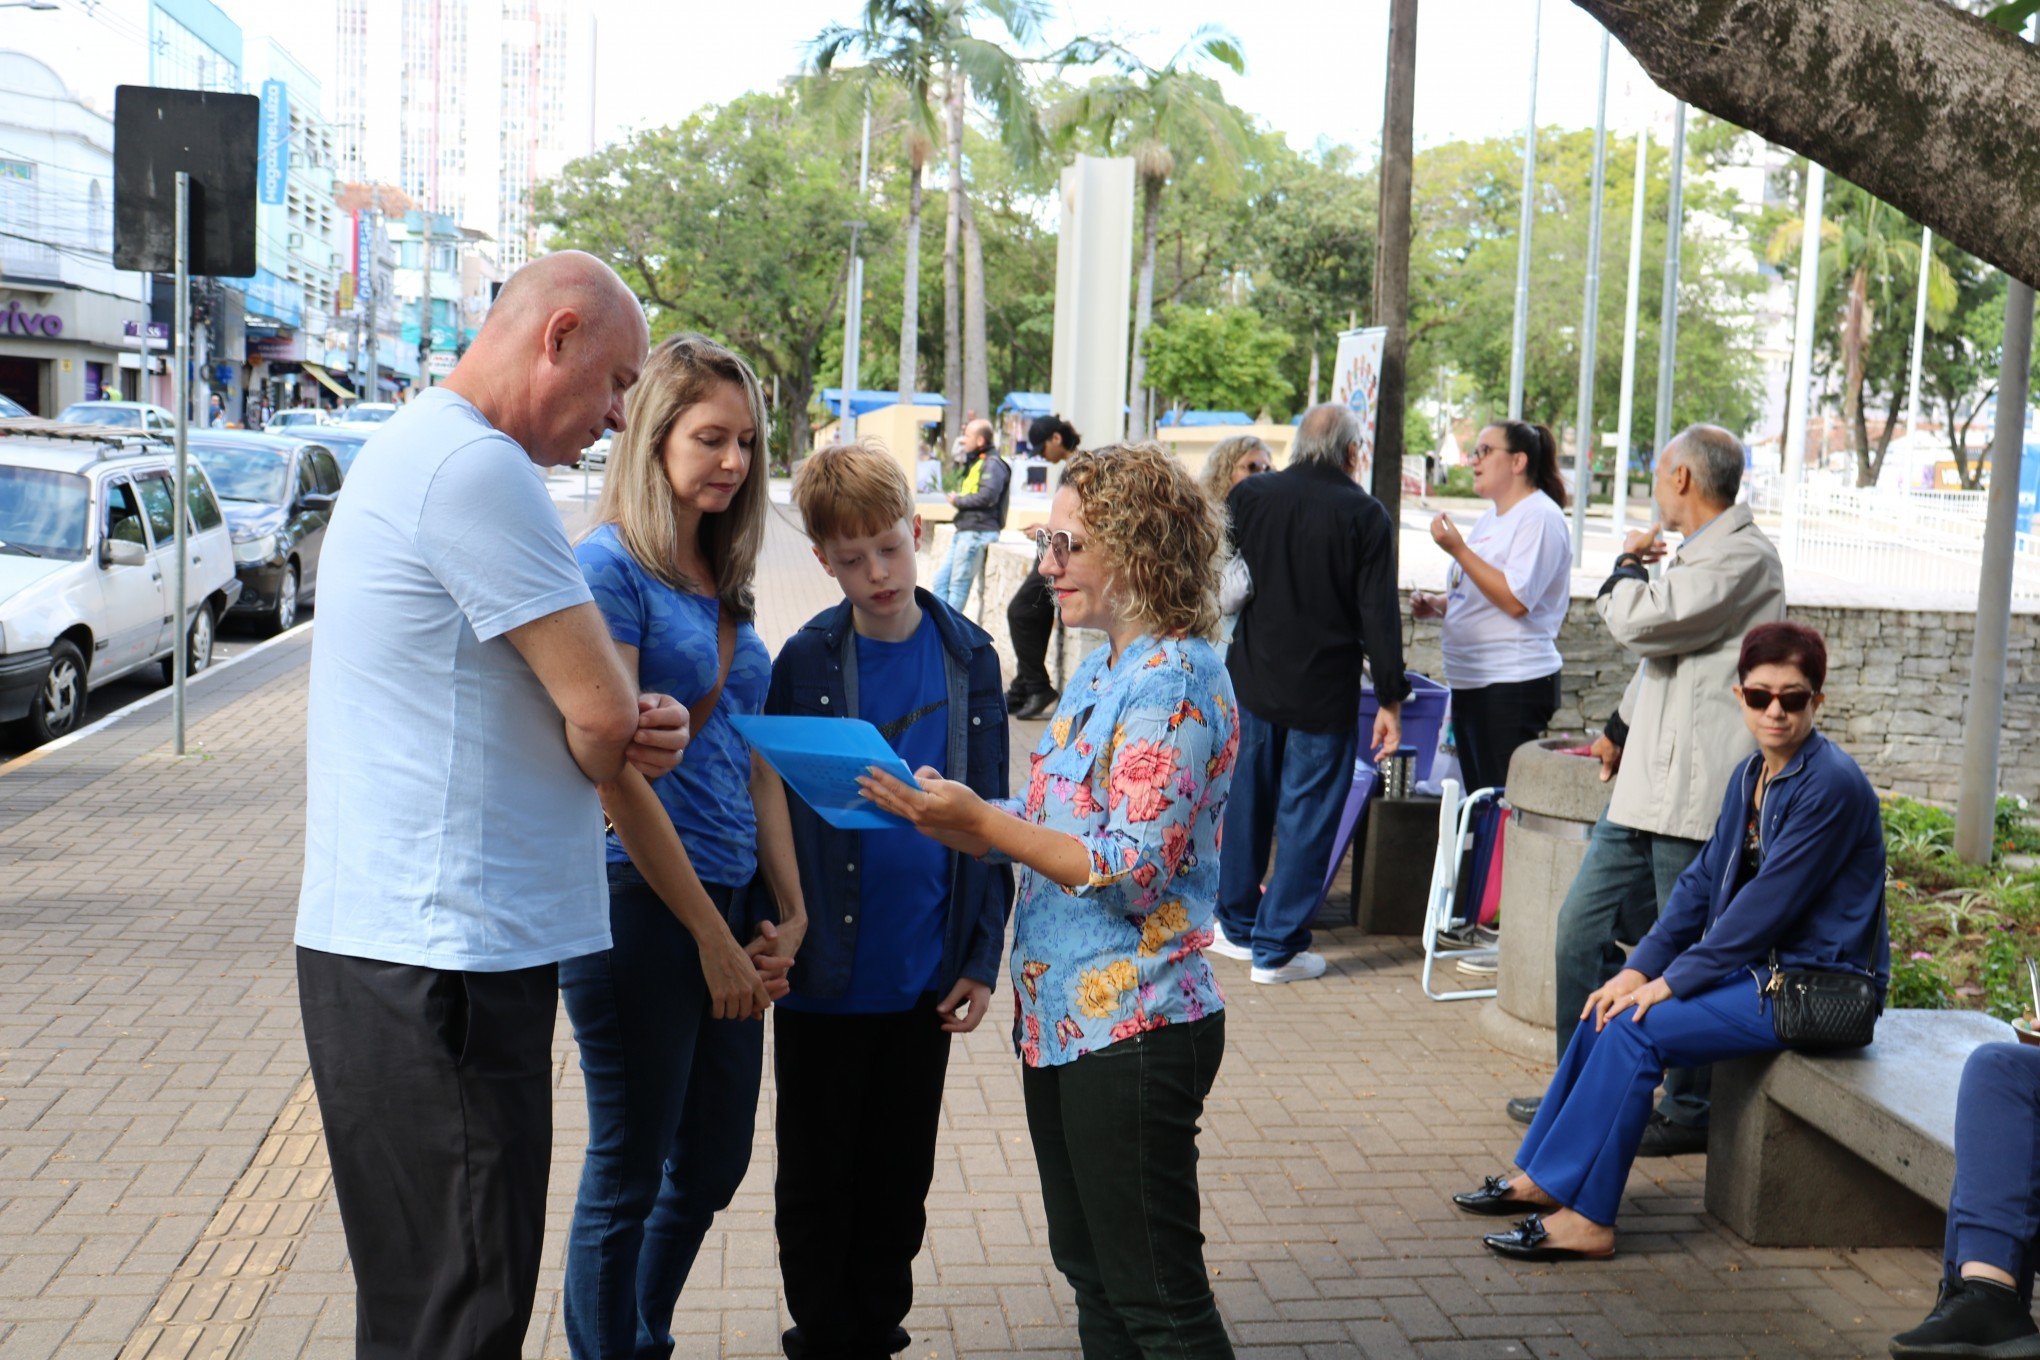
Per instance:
{"type": "Point", "coordinates": [1617, 731]}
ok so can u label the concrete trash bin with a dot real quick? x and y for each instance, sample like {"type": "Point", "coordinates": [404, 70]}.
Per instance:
{"type": "Point", "coordinates": [1555, 801]}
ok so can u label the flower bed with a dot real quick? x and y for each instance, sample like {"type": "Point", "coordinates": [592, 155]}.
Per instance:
{"type": "Point", "coordinates": [1960, 932]}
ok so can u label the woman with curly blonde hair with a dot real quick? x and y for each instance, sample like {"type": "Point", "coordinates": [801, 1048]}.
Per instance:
{"type": "Point", "coordinates": [1120, 1025]}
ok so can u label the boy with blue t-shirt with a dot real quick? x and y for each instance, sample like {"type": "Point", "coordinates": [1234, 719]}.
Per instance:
{"type": "Point", "coordinates": [904, 936]}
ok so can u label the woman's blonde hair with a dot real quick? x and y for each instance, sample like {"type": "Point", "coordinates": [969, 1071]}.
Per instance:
{"type": "Point", "coordinates": [637, 497]}
{"type": "Point", "coordinates": [1223, 458]}
{"type": "Point", "coordinates": [1160, 535]}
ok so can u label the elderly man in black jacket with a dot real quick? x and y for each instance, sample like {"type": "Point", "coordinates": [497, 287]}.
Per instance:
{"type": "Point", "coordinates": [1321, 551]}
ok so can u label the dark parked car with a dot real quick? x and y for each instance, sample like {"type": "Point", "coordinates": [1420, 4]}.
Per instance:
{"type": "Point", "coordinates": [277, 492]}
{"type": "Point", "coordinates": [345, 441]}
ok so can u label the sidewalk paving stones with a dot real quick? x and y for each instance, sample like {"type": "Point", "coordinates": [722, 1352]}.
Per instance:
{"type": "Point", "coordinates": [164, 1192]}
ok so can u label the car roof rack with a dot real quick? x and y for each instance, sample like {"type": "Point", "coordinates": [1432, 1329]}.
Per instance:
{"type": "Point", "coordinates": [111, 440]}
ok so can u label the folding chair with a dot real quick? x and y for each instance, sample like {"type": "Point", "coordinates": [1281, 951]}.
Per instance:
{"type": "Point", "coordinates": [1455, 824]}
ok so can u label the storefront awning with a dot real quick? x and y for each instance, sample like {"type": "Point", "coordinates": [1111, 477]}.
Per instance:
{"type": "Point", "coordinates": [327, 381]}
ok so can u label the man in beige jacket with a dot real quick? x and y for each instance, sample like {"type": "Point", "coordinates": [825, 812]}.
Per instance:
{"type": "Point", "coordinates": [1677, 738]}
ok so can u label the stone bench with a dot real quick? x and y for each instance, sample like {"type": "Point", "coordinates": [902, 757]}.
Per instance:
{"type": "Point", "coordinates": [1844, 1150]}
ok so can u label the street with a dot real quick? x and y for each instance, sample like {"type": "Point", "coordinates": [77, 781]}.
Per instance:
{"type": "Point", "coordinates": [233, 639]}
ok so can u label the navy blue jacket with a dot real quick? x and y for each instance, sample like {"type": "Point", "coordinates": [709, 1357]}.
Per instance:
{"type": "Point", "coordinates": [1817, 897]}
{"type": "Point", "coordinates": [815, 675]}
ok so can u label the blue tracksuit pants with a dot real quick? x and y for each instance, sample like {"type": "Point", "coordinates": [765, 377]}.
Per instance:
{"type": "Point", "coordinates": [1586, 1133]}
{"type": "Point", "coordinates": [1994, 1212]}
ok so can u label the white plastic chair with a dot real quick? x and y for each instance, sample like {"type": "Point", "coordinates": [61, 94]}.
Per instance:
{"type": "Point", "coordinates": [1455, 822]}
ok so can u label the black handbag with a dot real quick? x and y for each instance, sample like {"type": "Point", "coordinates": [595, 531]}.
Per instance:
{"type": "Point", "coordinates": [1812, 1010]}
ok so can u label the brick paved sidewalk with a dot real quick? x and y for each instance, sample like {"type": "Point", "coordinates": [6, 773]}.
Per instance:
{"type": "Point", "coordinates": [163, 1192]}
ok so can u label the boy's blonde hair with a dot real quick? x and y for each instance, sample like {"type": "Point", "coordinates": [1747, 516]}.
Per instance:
{"type": "Point", "coordinates": [851, 491]}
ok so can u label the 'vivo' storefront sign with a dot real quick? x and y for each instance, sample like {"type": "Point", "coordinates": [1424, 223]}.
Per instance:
{"type": "Point", "coordinates": [272, 173]}
{"type": "Point", "coordinates": [15, 321]}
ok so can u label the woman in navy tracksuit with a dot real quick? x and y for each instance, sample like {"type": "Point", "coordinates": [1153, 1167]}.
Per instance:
{"type": "Point", "coordinates": [1795, 867]}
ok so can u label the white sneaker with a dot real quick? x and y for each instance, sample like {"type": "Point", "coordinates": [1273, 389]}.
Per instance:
{"type": "Point", "coordinates": [1225, 948]}
{"type": "Point", "coordinates": [1303, 967]}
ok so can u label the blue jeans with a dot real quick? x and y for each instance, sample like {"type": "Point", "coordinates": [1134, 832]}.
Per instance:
{"type": "Point", "coordinates": [1580, 1146]}
{"type": "Point", "coordinates": [1994, 1211]}
{"type": "Point", "coordinates": [1622, 885]}
{"type": "Point", "coordinates": [958, 572]}
{"type": "Point", "coordinates": [1289, 787]}
{"type": "Point", "coordinates": [672, 1097]}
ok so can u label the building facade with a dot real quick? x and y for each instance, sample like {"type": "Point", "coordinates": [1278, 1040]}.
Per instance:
{"type": "Point", "coordinates": [65, 311]}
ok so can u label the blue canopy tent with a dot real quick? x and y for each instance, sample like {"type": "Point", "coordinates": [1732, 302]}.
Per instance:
{"type": "Point", "coordinates": [1189, 418]}
{"type": "Point", "coordinates": [1029, 404]}
{"type": "Point", "coordinates": [865, 400]}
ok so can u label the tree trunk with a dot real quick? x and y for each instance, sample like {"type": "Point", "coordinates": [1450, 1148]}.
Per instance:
{"type": "Point", "coordinates": [1143, 307]}
{"type": "Point", "coordinates": [1883, 441]}
{"type": "Point", "coordinates": [952, 299]}
{"type": "Point", "coordinates": [1925, 106]}
{"type": "Point", "coordinates": [910, 289]}
{"type": "Point", "coordinates": [800, 390]}
{"type": "Point", "coordinates": [977, 391]}
{"type": "Point", "coordinates": [1392, 265]}
{"type": "Point", "coordinates": [1855, 346]}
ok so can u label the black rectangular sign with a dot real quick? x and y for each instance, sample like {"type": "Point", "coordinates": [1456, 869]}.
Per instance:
{"type": "Point", "coordinates": [210, 136]}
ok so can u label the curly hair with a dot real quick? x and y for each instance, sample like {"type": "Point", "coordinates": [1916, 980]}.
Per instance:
{"type": "Point", "coordinates": [1223, 458]}
{"type": "Point", "coordinates": [1159, 534]}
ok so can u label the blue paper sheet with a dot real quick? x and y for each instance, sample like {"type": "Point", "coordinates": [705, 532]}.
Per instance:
{"type": "Point", "coordinates": [821, 759]}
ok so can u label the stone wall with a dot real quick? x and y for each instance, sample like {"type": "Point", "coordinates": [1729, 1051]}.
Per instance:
{"type": "Point", "coordinates": [1898, 679]}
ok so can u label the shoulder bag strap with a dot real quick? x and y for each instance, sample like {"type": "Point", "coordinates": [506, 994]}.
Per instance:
{"type": "Point", "coordinates": [698, 712]}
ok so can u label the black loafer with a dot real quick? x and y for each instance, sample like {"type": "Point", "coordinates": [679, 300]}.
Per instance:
{"type": "Point", "coordinates": [1492, 1200]}
{"type": "Point", "coordinates": [1663, 1138]}
{"type": "Point", "coordinates": [1523, 1109]}
{"type": "Point", "coordinates": [1528, 1241]}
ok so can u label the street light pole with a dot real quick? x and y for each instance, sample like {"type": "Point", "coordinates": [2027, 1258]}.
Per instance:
{"type": "Point", "coordinates": [1919, 340]}
{"type": "Point", "coordinates": [1392, 271]}
{"type": "Point", "coordinates": [853, 307]}
{"type": "Point", "coordinates": [182, 379]}
{"type": "Point", "coordinates": [1796, 413]}
{"type": "Point", "coordinates": [1520, 343]}
{"type": "Point", "coordinates": [1590, 321]}
{"type": "Point", "coordinates": [1668, 312]}
{"type": "Point", "coordinates": [1976, 798]}
{"type": "Point", "coordinates": [1624, 431]}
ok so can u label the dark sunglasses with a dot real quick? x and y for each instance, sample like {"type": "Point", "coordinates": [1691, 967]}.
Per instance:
{"type": "Point", "coordinates": [1791, 700]}
{"type": "Point", "coordinates": [1058, 545]}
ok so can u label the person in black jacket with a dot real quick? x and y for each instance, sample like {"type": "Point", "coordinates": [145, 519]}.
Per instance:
{"type": "Point", "coordinates": [1793, 877]}
{"type": "Point", "coordinates": [980, 513]}
{"type": "Point", "coordinates": [1321, 553]}
{"type": "Point", "coordinates": [1030, 618]}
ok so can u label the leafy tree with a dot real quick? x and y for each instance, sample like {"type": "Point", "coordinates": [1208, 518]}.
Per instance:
{"type": "Point", "coordinates": [1960, 361]}
{"type": "Point", "coordinates": [729, 224]}
{"type": "Point", "coordinates": [1159, 116]}
{"type": "Point", "coordinates": [1225, 359]}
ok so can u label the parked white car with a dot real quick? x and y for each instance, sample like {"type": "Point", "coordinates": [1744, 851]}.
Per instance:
{"type": "Point", "coordinates": [296, 419]}
{"type": "Point", "coordinates": [120, 415]}
{"type": "Point", "coordinates": [87, 566]}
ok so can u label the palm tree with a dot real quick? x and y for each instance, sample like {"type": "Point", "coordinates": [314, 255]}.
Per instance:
{"type": "Point", "coordinates": [917, 46]}
{"type": "Point", "coordinates": [1868, 245]}
{"type": "Point", "coordinates": [1159, 115]}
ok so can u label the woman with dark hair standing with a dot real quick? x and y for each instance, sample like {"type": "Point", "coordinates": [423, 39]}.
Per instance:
{"type": "Point", "coordinates": [1507, 592]}
{"type": "Point", "coordinates": [1030, 618]}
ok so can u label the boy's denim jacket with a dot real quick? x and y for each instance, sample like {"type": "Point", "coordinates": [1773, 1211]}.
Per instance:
{"type": "Point", "coordinates": [815, 675]}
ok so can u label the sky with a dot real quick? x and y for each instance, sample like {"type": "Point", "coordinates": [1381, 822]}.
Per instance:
{"type": "Point", "coordinates": [1314, 70]}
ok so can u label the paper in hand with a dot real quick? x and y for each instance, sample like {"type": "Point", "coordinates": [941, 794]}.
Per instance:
{"type": "Point", "coordinates": [821, 760]}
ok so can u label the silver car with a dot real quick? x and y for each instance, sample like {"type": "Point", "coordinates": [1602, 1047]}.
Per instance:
{"type": "Point", "coordinates": [87, 566]}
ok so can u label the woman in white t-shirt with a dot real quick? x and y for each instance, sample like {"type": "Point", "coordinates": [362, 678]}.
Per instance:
{"type": "Point", "coordinates": [1508, 589]}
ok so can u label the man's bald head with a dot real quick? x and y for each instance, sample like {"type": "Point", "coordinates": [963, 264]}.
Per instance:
{"type": "Point", "coordinates": [571, 280]}
{"type": "Point", "coordinates": [979, 434]}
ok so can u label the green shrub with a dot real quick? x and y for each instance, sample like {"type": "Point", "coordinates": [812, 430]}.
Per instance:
{"type": "Point", "coordinates": [1917, 983]}
{"type": "Point", "coordinates": [1458, 482]}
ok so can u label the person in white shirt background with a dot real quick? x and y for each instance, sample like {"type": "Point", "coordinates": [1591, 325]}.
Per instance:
{"type": "Point", "coordinates": [1507, 593]}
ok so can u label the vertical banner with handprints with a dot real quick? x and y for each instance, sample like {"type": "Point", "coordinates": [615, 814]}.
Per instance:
{"type": "Point", "coordinates": [1356, 380]}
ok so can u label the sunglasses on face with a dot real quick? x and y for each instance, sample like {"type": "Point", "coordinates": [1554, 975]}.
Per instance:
{"type": "Point", "coordinates": [1057, 545]}
{"type": "Point", "coordinates": [1791, 700]}
{"type": "Point", "coordinates": [1254, 465]}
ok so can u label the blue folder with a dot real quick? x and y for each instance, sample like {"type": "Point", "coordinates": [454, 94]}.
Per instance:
{"type": "Point", "coordinates": [821, 759]}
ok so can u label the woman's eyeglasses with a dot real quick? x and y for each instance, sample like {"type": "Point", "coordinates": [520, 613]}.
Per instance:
{"type": "Point", "coordinates": [1057, 545]}
{"type": "Point", "coordinates": [1791, 700]}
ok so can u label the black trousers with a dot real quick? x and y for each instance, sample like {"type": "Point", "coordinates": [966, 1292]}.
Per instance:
{"type": "Point", "coordinates": [1115, 1136]}
{"type": "Point", "coordinates": [436, 1092]}
{"type": "Point", "coordinates": [1492, 721]}
{"type": "Point", "coordinates": [1030, 619]}
{"type": "Point", "coordinates": [860, 1099]}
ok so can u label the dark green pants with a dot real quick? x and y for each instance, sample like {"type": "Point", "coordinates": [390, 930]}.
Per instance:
{"type": "Point", "coordinates": [1115, 1134]}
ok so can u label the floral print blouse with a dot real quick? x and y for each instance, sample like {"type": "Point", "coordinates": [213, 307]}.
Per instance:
{"type": "Point", "coordinates": [1136, 765]}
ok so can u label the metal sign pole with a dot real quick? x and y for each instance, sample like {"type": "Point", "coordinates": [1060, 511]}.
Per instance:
{"type": "Point", "coordinates": [183, 380]}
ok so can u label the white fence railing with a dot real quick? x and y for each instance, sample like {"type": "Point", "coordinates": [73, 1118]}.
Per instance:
{"type": "Point", "coordinates": [1918, 540]}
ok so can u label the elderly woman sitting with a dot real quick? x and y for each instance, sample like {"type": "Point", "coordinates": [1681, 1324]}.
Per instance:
{"type": "Point", "coordinates": [1794, 872]}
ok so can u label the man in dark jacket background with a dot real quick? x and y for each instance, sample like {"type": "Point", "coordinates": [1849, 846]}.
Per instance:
{"type": "Point", "coordinates": [1321, 552]}
{"type": "Point", "coordinates": [980, 513]}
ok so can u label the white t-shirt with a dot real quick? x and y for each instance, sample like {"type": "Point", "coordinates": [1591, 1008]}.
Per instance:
{"type": "Point", "coordinates": [446, 824]}
{"type": "Point", "coordinates": [1532, 547]}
